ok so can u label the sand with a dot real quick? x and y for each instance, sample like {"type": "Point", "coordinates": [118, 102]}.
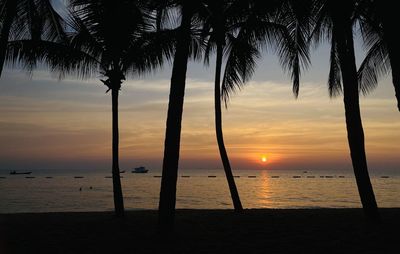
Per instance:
{"type": "Point", "coordinates": [203, 231]}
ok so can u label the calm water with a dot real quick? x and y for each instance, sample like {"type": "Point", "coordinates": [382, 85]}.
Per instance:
{"type": "Point", "coordinates": [258, 189]}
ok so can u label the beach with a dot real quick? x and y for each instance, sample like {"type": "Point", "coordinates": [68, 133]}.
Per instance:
{"type": "Point", "coordinates": [202, 231]}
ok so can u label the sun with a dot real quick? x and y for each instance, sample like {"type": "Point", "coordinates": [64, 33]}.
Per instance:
{"type": "Point", "coordinates": [264, 159]}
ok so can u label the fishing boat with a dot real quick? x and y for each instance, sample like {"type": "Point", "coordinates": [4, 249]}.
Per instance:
{"type": "Point", "coordinates": [140, 170]}
{"type": "Point", "coordinates": [13, 172]}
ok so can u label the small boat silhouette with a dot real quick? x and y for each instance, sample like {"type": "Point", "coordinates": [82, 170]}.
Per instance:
{"type": "Point", "coordinates": [140, 170]}
{"type": "Point", "coordinates": [13, 172]}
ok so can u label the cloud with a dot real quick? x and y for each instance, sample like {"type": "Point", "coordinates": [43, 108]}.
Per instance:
{"type": "Point", "coordinates": [50, 123]}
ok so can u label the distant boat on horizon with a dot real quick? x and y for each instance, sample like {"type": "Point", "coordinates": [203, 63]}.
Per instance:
{"type": "Point", "coordinates": [122, 171]}
{"type": "Point", "coordinates": [13, 172]}
{"type": "Point", "coordinates": [140, 170]}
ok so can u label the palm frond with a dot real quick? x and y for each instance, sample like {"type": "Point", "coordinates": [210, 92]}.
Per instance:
{"type": "Point", "coordinates": [371, 31]}
{"type": "Point", "coordinates": [149, 52]}
{"type": "Point", "coordinates": [54, 24]}
{"type": "Point", "coordinates": [82, 39]}
{"type": "Point", "coordinates": [375, 64]}
{"type": "Point", "coordinates": [208, 38]}
{"type": "Point", "coordinates": [293, 44]}
{"type": "Point", "coordinates": [37, 19]}
{"type": "Point", "coordinates": [322, 28]}
{"type": "Point", "coordinates": [196, 40]}
{"type": "Point", "coordinates": [335, 74]}
{"type": "Point", "coordinates": [164, 13]}
{"type": "Point", "coordinates": [58, 57]}
{"type": "Point", "coordinates": [240, 65]}
{"type": "Point", "coordinates": [209, 48]}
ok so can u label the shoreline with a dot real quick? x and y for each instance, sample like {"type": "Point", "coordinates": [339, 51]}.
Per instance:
{"type": "Point", "coordinates": [322, 230]}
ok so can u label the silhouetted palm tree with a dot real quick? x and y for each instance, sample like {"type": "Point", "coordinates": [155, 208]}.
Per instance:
{"type": "Point", "coordinates": [219, 27]}
{"type": "Point", "coordinates": [379, 25]}
{"type": "Point", "coordinates": [110, 37]}
{"type": "Point", "coordinates": [240, 30]}
{"type": "Point", "coordinates": [33, 19]}
{"type": "Point", "coordinates": [185, 47]}
{"type": "Point", "coordinates": [335, 21]}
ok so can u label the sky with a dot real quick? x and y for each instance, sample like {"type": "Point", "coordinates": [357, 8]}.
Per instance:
{"type": "Point", "coordinates": [46, 123]}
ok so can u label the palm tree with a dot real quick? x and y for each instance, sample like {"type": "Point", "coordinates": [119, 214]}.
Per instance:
{"type": "Point", "coordinates": [166, 209]}
{"type": "Point", "coordinates": [111, 38]}
{"type": "Point", "coordinates": [217, 28]}
{"type": "Point", "coordinates": [22, 18]}
{"type": "Point", "coordinates": [379, 28]}
{"type": "Point", "coordinates": [335, 20]}
{"type": "Point", "coordinates": [240, 30]}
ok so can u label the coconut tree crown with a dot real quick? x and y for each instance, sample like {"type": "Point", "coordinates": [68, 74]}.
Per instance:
{"type": "Point", "coordinates": [245, 28]}
{"type": "Point", "coordinates": [98, 40]}
{"type": "Point", "coordinates": [28, 19]}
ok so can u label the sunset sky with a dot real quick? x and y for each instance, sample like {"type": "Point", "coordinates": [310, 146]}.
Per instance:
{"type": "Point", "coordinates": [51, 124]}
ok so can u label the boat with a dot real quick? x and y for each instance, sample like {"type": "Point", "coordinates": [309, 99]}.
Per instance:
{"type": "Point", "coordinates": [122, 171]}
{"type": "Point", "coordinates": [140, 170]}
{"type": "Point", "coordinates": [13, 172]}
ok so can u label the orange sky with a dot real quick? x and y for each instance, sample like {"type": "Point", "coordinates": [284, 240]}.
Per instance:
{"type": "Point", "coordinates": [50, 124]}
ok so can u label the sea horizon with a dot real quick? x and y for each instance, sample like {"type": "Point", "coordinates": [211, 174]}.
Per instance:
{"type": "Point", "coordinates": [5, 171]}
{"type": "Point", "coordinates": [91, 190]}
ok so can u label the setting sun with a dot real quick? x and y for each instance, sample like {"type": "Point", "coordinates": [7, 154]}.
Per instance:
{"type": "Point", "coordinates": [264, 159]}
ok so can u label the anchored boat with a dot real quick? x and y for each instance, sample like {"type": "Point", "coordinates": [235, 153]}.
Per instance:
{"type": "Point", "coordinates": [140, 170]}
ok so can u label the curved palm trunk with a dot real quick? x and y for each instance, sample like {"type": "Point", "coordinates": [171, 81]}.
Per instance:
{"type": "Point", "coordinates": [5, 31]}
{"type": "Point", "coordinates": [117, 189]}
{"type": "Point", "coordinates": [166, 209]}
{"type": "Point", "coordinates": [355, 133]}
{"type": "Point", "coordinates": [218, 130]}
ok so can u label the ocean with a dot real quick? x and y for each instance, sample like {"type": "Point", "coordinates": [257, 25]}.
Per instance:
{"type": "Point", "coordinates": [78, 191]}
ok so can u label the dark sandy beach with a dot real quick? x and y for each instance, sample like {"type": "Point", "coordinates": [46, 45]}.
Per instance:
{"type": "Point", "coordinates": [203, 231]}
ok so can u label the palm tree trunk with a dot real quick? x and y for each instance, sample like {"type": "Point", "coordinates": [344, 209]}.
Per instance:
{"type": "Point", "coordinates": [5, 31]}
{"type": "Point", "coordinates": [117, 189]}
{"type": "Point", "coordinates": [355, 133]}
{"type": "Point", "coordinates": [166, 212]}
{"type": "Point", "coordinates": [220, 138]}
